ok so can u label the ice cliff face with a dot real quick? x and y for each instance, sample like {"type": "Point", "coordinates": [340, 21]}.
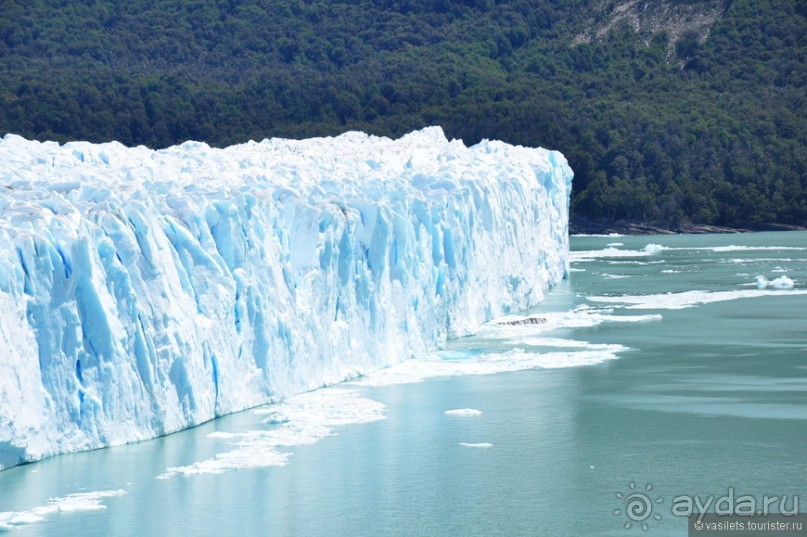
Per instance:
{"type": "Point", "coordinates": [143, 292]}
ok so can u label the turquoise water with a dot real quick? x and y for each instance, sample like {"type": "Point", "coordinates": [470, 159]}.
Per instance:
{"type": "Point", "coordinates": [691, 401]}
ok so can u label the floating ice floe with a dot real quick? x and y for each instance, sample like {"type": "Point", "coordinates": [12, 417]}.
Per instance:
{"type": "Point", "coordinates": [598, 235]}
{"type": "Point", "coordinates": [782, 282]}
{"type": "Point", "coordinates": [82, 501]}
{"type": "Point", "coordinates": [463, 412]}
{"type": "Point", "coordinates": [732, 248]}
{"type": "Point", "coordinates": [301, 420]}
{"type": "Point", "coordinates": [582, 256]}
{"type": "Point", "coordinates": [654, 248]}
{"type": "Point", "coordinates": [687, 299]}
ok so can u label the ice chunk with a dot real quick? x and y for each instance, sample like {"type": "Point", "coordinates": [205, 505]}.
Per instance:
{"type": "Point", "coordinates": [81, 501]}
{"type": "Point", "coordinates": [782, 282]}
{"type": "Point", "coordinates": [593, 255]}
{"type": "Point", "coordinates": [463, 412]}
{"type": "Point", "coordinates": [307, 418]}
{"type": "Point", "coordinates": [653, 248]}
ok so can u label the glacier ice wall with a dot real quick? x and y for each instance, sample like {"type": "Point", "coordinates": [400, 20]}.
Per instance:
{"type": "Point", "coordinates": [143, 292]}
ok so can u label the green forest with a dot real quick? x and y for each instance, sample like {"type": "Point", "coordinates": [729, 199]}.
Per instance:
{"type": "Point", "coordinates": [664, 125]}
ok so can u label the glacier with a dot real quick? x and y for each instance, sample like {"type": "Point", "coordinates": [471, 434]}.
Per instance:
{"type": "Point", "coordinates": [147, 291]}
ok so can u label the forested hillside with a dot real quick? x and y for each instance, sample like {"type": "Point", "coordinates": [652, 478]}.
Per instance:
{"type": "Point", "coordinates": [670, 111]}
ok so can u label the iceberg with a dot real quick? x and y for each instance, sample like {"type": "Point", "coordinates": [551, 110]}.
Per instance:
{"type": "Point", "coordinates": [143, 292]}
{"type": "Point", "coordinates": [782, 282]}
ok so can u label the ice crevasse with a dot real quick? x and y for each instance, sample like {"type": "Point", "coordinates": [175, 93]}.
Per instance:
{"type": "Point", "coordinates": [143, 292]}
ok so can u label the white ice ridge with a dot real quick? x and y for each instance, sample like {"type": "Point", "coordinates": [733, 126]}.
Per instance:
{"type": "Point", "coordinates": [143, 292]}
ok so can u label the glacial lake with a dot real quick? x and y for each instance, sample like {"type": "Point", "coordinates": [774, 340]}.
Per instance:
{"type": "Point", "coordinates": [667, 366]}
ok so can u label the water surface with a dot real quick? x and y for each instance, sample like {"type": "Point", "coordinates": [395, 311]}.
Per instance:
{"type": "Point", "coordinates": [662, 361]}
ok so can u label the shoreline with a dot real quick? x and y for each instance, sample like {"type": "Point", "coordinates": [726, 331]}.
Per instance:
{"type": "Point", "coordinates": [584, 226]}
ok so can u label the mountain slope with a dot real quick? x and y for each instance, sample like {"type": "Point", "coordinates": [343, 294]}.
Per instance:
{"type": "Point", "coordinates": [670, 111]}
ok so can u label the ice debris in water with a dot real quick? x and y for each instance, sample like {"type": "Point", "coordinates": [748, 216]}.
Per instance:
{"type": "Point", "coordinates": [463, 412]}
{"type": "Point", "coordinates": [653, 248]}
{"type": "Point", "coordinates": [782, 282]}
